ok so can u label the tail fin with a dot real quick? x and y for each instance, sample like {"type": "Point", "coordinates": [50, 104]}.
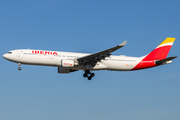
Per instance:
{"type": "Point", "coordinates": [157, 56]}
{"type": "Point", "coordinates": [161, 51]}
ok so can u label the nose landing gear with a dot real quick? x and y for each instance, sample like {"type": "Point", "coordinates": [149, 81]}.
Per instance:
{"type": "Point", "coordinates": [88, 74]}
{"type": "Point", "coordinates": [19, 68]}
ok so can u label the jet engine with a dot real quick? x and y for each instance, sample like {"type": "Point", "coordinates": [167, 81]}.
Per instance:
{"type": "Point", "coordinates": [65, 70]}
{"type": "Point", "coordinates": [67, 63]}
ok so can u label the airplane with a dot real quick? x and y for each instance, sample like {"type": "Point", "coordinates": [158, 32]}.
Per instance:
{"type": "Point", "coordinates": [67, 62]}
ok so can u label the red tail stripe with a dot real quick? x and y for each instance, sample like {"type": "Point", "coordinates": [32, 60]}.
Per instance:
{"type": "Point", "coordinates": [158, 53]}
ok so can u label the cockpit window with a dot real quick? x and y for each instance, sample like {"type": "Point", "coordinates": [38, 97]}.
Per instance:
{"type": "Point", "coordinates": [9, 52]}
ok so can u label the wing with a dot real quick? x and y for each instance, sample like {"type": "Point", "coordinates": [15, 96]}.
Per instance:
{"type": "Point", "coordinates": [100, 55]}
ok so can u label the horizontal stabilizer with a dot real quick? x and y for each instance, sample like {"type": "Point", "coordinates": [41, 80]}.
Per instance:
{"type": "Point", "coordinates": [159, 62]}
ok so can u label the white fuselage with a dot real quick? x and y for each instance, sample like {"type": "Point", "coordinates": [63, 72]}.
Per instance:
{"type": "Point", "coordinates": [54, 58]}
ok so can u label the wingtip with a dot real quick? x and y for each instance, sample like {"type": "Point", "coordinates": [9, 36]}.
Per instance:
{"type": "Point", "coordinates": [123, 44]}
{"type": "Point", "coordinates": [175, 56]}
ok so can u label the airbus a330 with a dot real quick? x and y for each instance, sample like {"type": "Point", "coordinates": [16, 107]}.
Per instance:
{"type": "Point", "coordinates": [67, 62]}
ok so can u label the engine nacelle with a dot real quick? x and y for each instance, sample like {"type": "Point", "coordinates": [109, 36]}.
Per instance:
{"type": "Point", "coordinates": [65, 70]}
{"type": "Point", "coordinates": [67, 63]}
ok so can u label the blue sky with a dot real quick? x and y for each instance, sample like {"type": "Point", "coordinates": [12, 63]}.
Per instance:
{"type": "Point", "coordinates": [40, 93]}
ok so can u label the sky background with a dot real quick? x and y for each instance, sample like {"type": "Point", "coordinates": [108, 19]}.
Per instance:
{"type": "Point", "coordinates": [89, 26]}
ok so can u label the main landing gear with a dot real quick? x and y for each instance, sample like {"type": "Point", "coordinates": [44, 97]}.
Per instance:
{"type": "Point", "coordinates": [88, 74]}
{"type": "Point", "coordinates": [19, 68]}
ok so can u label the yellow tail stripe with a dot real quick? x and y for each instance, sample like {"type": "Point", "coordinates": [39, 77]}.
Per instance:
{"type": "Point", "coordinates": [168, 40]}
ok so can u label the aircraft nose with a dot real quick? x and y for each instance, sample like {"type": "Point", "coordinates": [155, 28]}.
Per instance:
{"type": "Point", "coordinates": [4, 56]}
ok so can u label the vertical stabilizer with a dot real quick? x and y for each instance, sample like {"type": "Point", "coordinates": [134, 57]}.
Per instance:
{"type": "Point", "coordinates": [161, 51]}
{"type": "Point", "coordinates": [158, 54]}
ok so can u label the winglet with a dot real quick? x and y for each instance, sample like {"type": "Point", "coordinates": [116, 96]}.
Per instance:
{"type": "Point", "coordinates": [123, 44]}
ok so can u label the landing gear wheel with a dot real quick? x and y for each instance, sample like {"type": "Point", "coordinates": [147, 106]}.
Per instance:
{"type": "Point", "coordinates": [19, 68]}
{"type": "Point", "coordinates": [84, 75]}
{"type": "Point", "coordinates": [92, 74]}
{"type": "Point", "coordinates": [89, 78]}
{"type": "Point", "coordinates": [88, 74]}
